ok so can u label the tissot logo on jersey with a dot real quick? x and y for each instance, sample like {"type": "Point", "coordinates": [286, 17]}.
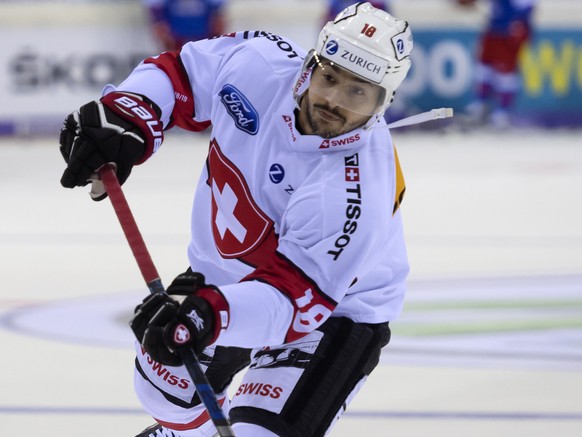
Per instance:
{"type": "Point", "coordinates": [353, 209]}
{"type": "Point", "coordinates": [240, 109]}
{"type": "Point", "coordinates": [327, 143]}
{"type": "Point", "coordinates": [285, 46]}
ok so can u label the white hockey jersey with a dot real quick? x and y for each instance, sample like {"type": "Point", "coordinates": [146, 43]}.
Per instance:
{"type": "Point", "coordinates": [293, 228]}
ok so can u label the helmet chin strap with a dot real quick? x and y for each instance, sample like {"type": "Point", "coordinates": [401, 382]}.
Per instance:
{"type": "Point", "coordinates": [373, 120]}
{"type": "Point", "coordinates": [423, 117]}
{"type": "Point", "coordinates": [433, 114]}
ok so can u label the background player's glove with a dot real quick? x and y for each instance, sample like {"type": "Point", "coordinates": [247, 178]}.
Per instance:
{"type": "Point", "coordinates": [122, 128]}
{"type": "Point", "coordinates": [190, 314]}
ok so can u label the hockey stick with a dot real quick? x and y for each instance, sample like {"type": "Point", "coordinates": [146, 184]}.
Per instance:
{"type": "Point", "coordinates": [152, 278]}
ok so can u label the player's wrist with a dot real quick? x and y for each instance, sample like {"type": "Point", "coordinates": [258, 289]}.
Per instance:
{"type": "Point", "coordinates": [219, 307]}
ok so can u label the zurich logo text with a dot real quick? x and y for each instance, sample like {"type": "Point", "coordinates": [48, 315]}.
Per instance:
{"type": "Point", "coordinates": [240, 109]}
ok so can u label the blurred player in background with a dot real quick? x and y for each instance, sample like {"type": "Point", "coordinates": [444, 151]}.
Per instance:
{"type": "Point", "coordinates": [334, 7]}
{"type": "Point", "coordinates": [497, 80]}
{"type": "Point", "coordinates": [175, 22]}
{"type": "Point", "coordinates": [296, 220]}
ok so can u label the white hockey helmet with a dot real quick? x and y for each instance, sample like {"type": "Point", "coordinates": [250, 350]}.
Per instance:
{"type": "Point", "coordinates": [367, 42]}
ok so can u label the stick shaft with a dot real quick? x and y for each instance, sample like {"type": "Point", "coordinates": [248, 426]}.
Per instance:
{"type": "Point", "coordinates": [152, 278]}
{"type": "Point", "coordinates": [130, 229]}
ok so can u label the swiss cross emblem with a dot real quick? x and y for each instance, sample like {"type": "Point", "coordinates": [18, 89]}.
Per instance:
{"type": "Point", "coordinates": [352, 174]}
{"type": "Point", "coordinates": [181, 334]}
{"type": "Point", "coordinates": [238, 224]}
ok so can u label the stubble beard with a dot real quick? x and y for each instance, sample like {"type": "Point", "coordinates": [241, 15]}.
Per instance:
{"type": "Point", "coordinates": [320, 127]}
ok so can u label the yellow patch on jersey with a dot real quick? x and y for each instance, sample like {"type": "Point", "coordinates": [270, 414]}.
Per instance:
{"type": "Point", "coordinates": [400, 185]}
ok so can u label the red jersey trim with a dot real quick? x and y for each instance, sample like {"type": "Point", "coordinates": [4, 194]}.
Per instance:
{"type": "Point", "coordinates": [200, 420]}
{"type": "Point", "coordinates": [184, 110]}
{"type": "Point", "coordinates": [311, 307]}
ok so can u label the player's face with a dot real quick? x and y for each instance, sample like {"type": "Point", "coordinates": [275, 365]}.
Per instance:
{"type": "Point", "coordinates": [337, 102]}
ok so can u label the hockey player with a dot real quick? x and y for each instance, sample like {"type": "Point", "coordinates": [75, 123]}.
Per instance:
{"type": "Point", "coordinates": [175, 22]}
{"type": "Point", "coordinates": [497, 77]}
{"type": "Point", "coordinates": [295, 223]}
{"type": "Point", "coordinates": [334, 7]}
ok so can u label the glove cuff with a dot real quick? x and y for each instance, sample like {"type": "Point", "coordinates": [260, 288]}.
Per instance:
{"type": "Point", "coordinates": [140, 112]}
{"type": "Point", "coordinates": [220, 308]}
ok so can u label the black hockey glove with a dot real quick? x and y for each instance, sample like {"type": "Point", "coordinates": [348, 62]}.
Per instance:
{"type": "Point", "coordinates": [190, 314]}
{"type": "Point", "coordinates": [122, 128]}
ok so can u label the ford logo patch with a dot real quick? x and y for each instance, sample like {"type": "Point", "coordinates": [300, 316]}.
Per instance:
{"type": "Point", "coordinates": [240, 109]}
